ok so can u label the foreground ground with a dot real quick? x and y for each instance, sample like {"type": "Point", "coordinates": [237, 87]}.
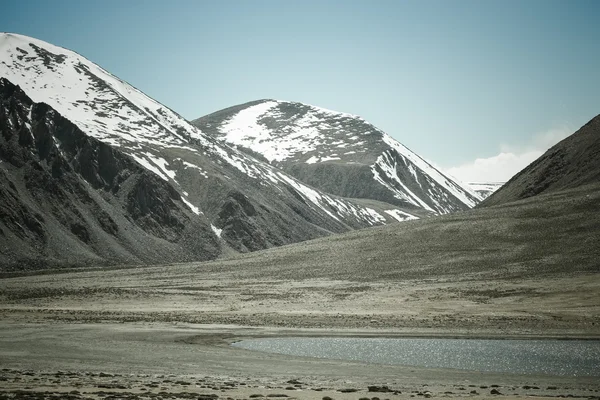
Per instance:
{"type": "Point", "coordinates": [157, 360]}
{"type": "Point", "coordinates": [150, 333]}
{"type": "Point", "coordinates": [523, 270]}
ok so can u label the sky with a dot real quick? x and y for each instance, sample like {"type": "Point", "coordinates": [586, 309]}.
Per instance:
{"type": "Point", "coordinates": [480, 88]}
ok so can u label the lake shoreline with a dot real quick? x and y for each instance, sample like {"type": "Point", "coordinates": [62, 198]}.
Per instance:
{"type": "Point", "coordinates": [178, 321]}
{"type": "Point", "coordinates": [551, 357]}
{"type": "Point", "coordinates": [122, 359]}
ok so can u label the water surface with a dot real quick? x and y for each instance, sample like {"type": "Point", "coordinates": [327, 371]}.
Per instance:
{"type": "Point", "coordinates": [550, 357]}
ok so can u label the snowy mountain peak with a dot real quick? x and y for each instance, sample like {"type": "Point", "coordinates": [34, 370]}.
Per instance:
{"type": "Point", "coordinates": [282, 130]}
{"type": "Point", "coordinates": [251, 203]}
{"type": "Point", "coordinates": [94, 99]}
{"type": "Point", "coordinates": [291, 134]}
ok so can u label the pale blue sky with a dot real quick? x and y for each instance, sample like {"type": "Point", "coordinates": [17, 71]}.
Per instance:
{"type": "Point", "coordinates": [452, 80]}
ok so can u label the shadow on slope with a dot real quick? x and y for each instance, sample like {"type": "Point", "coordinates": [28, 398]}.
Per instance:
{"type": "Point", "coordinates": [69, 199]}
{"type": "Point", "coordinates": [573, 162]}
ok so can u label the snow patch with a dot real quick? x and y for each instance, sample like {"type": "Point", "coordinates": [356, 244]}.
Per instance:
{"type": "Point", "coordinates": [491, 186]}
{"type": "Point", "coordinates": [148, 165]}
{"type": "Point", "coordinates": [192, 207]}
{"type": "Point", "coordinates": [464, 194]}
{"type": "Point", "coordinates": [485, 190]}
{"type": "Point", "coordinates": [390, 179]}
{"type": "Point", "coordinates": [216, 230]}
{"type": "Point", "coordinates": [162, 164]}
{"type": "Point", "coordinates": [400, 216]}
{"type": "Point", "coordinates": [194, 166]}
{"type": "Point", "coordinates": [329, 159]}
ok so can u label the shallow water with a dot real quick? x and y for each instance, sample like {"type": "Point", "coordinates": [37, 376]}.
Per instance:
{"type": "Point", "coordinates": [549, 357]}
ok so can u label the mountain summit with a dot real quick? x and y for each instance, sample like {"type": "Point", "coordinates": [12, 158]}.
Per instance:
{"type": "Point", "coordinates": [79, 145]}
{"type": "Point", "coordinates": [95, 172]}
{"type": "Point", "coordinates": [339, 153]}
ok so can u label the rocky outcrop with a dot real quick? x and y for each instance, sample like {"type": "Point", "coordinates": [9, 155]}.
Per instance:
{"type": "Point", "coordinates": [67, 198]}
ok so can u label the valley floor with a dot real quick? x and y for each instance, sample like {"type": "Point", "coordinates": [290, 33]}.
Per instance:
{"type": "Point", "coordinates": [164, 332]}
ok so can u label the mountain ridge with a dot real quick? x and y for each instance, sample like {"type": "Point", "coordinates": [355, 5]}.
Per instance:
{"type": "Point", "coordinates": [247, 203]}
{"type": "Point", "coordinates": [305, 140]}
{"type": "Point", "coordinates": [570, 163]}
{"type": "Point", "coordinates": [71, 199]}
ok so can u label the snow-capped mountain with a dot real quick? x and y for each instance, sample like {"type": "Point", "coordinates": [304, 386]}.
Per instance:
{"type": "Point", "coordinates": [485, 189]}
{"type": "Point", "coordinates": [249, 204]}
{"type": "Point", "coordinates": [339, 153]}
{"type": "Point", "coordinates": [68, 198]}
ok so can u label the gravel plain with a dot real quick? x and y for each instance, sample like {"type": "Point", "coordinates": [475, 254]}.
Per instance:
{"type": "Point", "coordinates": [525, 270]}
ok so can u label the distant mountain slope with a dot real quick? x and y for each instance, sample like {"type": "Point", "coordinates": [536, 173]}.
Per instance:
{"type": "Point", "coordinates": [339, 153]}
{"type": "Point", "coordinates": [573, 162]}
{"type": "Point", "coordinates": [248, 204]}
{"type": "Point", "coordinates": [485, 190]}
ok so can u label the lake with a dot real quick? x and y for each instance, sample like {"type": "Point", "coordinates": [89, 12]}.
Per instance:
{"type": "Point", "coordinates": [548, 357]}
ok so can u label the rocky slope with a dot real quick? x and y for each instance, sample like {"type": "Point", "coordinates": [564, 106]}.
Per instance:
{"type": "Point", "coordinates": [339, 153]}
{"type": "Point", "coordinates": [571, 163]}
{"type": "Point", "coordinates": [67, 198]}
{"type": "Point", "coordinates": [247, 203]}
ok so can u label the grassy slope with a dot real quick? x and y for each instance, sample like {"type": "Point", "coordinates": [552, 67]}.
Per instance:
{"type": "Point", "coordinates": [571, 163]}
{"type": "Point", "coordinates": [525, 268]}
{"type": "Point", "coordinates": [556, 233]}
{"type": "Point", "coordinates": [551, 234]}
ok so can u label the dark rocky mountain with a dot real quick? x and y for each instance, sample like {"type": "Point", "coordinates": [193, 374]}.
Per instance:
{"type": "Point", "coordinates": [67, 198]}
{"type": "Point", "coordinates": [571, 163]}
{"type": "Point", "coordinates": [338, 153]}
{"type": "Point", "coordinates": [118, 177]}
